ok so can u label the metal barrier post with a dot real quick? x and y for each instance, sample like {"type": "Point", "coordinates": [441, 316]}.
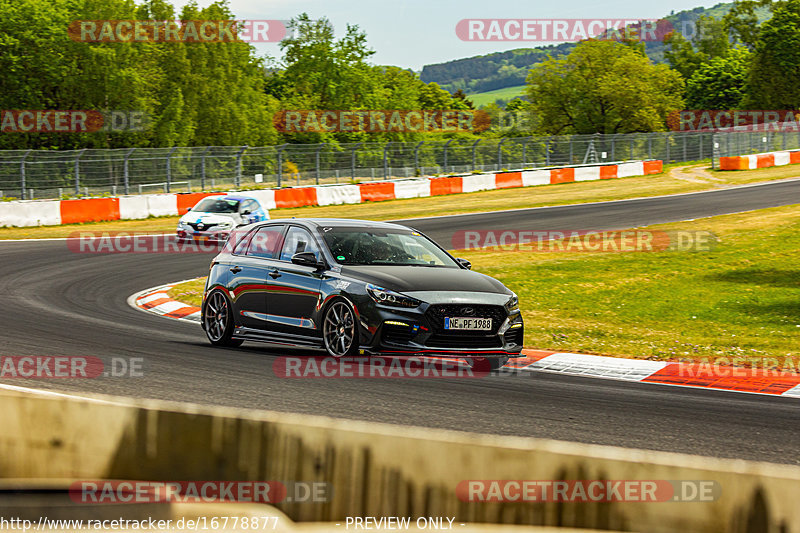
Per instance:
{"type": "Point", "coordinates": [474, 148]}
{"type": "Point", "coordinates": [319, 148]}
{"type": "Point", "coordinates": [22, 175]}
{"type": "Point", "coordinates": [238, 178]}
{"type": "Point", "coordinates": [78, 173]}
{"type": "Point", "coordinates": [126, 181]}
{"type": "Point", "coordinates": [203, 168]}
{"type": "Point", "coordinates": [416, 157]}
{"type": "Point", "coordinates": [353, 161]}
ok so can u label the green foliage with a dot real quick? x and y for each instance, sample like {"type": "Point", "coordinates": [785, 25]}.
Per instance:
{"type": "Point", "coordinates": [603, 87]}
{"type": "Point", "coordinates": [720, 83]}
{"type": "Point", "coordinates": [774, 78]}
{"type": "Point", "coordinates": [193, 93]}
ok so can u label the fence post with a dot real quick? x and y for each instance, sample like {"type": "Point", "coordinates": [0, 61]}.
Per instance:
{"type": "Point", "coordinates": [280, 163]}
{"type": "Point", "coordinates": [239, 166]}
{"type": "Point", "coordinates": [500, 152]}
{"type": "Point", "coordinates": [203, 168]}
{"type": "Point", "coordinates": [416, 157]}
{"type": "Point", "coordinates": [474, 149]}
{"type": "Point", "coordinates": [353, 161]}
{"type": "Point", "coordinates": [547, 153]}
{"type": "Point", "coordinates": [668, 140]}
{"type": "Point", "coordinates": [444, 162]}
{"type": "Point", "coordinates": [169, 168]}
{"type": "Point", "coordinates": [22, 175]}
{"type": "Point", "coordinates": [386, 161]}
{"type": "Point", "coordinates": [126, 180]}
{"type": "Point", "coordinates": [78, 173]}
{"type": "Point", "coordinates": [649, 146]}
{"type": "Point", "coordinates": [316, 156]}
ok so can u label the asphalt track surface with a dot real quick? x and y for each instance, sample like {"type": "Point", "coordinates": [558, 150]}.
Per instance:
{"type": "Point", "coordinates": [56, 302]}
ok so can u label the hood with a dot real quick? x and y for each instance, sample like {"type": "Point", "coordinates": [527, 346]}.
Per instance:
{"type": "Point", "coordinates": [210, 218]}
{"type": "Point", "coordinates": [410, 278]}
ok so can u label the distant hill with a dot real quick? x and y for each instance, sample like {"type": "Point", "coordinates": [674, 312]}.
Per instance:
{"type": "Point", "coordinates": [481, 74]}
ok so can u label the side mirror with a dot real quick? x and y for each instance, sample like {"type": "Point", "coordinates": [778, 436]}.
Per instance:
{"type": "Point", "coordinates": [307, 259]}
{"type": "Point", "coordinates": [188, 209]}
{"type": "Point", "coordinates": [246, 212]}
{"type": "Point", "coordinates": [464, 263]}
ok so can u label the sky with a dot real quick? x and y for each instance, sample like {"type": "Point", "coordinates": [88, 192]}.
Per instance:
{"type": "Point", "coordinates": [414, 33]}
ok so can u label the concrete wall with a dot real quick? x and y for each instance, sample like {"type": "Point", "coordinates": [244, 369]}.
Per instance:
{"type": "Point", "coordinates": [377, 470]}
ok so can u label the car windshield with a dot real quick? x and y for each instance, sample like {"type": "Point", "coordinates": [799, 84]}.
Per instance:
{"type": "Point", "coordinates": [216, 205]}
{"type": "Point", "coordinates": [376, 246]}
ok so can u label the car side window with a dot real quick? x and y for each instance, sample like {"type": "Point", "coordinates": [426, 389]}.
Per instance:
{"type": "Point", "coordinates": [239, 241]}
{"type": "Point", "coordinates": [266, 242]}
{"type": "Point", "coordinates": [298, 240]}
{"type": "Point", "coordinates": [248, 205]}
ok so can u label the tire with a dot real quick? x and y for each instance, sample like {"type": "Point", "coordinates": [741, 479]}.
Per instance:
{"type": "Point", "coordinates": [218, 320]}
{"type": "Point", "coordinates": [340, 329]}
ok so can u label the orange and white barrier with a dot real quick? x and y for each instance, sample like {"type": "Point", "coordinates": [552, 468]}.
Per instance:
{"type": "Point", "coordinates": [754, 161]}
{"type": "Point", "coordinates": [53, 212]}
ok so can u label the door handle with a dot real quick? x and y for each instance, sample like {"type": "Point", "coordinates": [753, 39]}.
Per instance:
{"type": "Point", "coordinates": [236, 270]}
{"type": "Point", "coordinates": [274, 274]}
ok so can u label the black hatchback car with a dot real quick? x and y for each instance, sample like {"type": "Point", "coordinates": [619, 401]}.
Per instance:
{"type": "Point", "coordinates": [356, 287]}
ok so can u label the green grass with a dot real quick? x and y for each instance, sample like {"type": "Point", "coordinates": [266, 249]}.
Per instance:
{"type": "Point", "coordinates": [189, 292]}
{"type": "Point", "coordinates": [506, 93]}
{"type": "Point", "coordinates": [741, 300]}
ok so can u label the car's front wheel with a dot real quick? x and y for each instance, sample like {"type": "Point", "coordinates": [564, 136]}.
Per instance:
{"type": "Point", "coordinates": [218, 320]}
{"type": "Point", "coordinates": [339, 329]}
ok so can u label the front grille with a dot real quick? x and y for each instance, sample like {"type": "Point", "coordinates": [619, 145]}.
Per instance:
{"type": "Point", "coordinates": [204, 228]}
{"type": "Point", "coordinates": [393, 334]}
{"type": "Point", "coordinates": [463, 339]}
{"type": "Point", "coordinates": [437, 313]}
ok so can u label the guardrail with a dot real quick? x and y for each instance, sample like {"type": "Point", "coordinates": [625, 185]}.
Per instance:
{"type": "Point", "coordinates": [376, 469]}
{"type": "Point", "coordinates": [49, 212]}
{"type": "Point", "coordinates": [45, 173]}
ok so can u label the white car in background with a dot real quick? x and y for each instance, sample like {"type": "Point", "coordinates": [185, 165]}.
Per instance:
{"type": "Point", "coordinates": [214, 217]}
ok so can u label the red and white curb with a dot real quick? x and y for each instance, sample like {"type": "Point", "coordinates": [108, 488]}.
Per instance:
{"type": "Point", "coordinates": [697, 375]}
{"type": "Point", "coordinates": [158, 302]}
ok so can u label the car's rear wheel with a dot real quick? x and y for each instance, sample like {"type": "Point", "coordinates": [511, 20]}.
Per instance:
{"type": "Point", "coordinates": [218, 320]}
{"type": "Point", "coordinates": [339, 329]}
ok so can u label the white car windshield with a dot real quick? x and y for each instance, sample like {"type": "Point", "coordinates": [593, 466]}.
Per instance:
{"type": "Point", "coordinates": [216, 205]}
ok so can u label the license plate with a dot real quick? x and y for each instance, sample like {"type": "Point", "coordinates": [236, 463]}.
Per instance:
{"type": "Point", "coordinates": [482, 324]}
{"type": "Point", "coordinates": [201, 238]}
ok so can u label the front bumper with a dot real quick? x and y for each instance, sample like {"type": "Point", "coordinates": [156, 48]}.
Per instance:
{"type": "Point", "coordinates": [420, 331]}
{"type": "Point", "coordinates": [218, 236]}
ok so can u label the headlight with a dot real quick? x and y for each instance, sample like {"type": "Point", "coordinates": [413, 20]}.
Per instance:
{"type": "Point", "coordinates": [513, 303]}
{"type": "Point", "coordinates": [225, 225]}
{"type": "Point", "coordinates": [183, 225]}
{"type": "Point", "coordinates": [387, 297]}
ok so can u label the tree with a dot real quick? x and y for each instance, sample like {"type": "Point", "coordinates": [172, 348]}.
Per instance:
{"type": "Point", "coordinates": [720, 83]}
{"type": "Point", "coordinates": [688, 55]}
{"type": "Point", "coordinates": [603, 87]}
{"type": "Point", "coordinates": [774, 77]}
